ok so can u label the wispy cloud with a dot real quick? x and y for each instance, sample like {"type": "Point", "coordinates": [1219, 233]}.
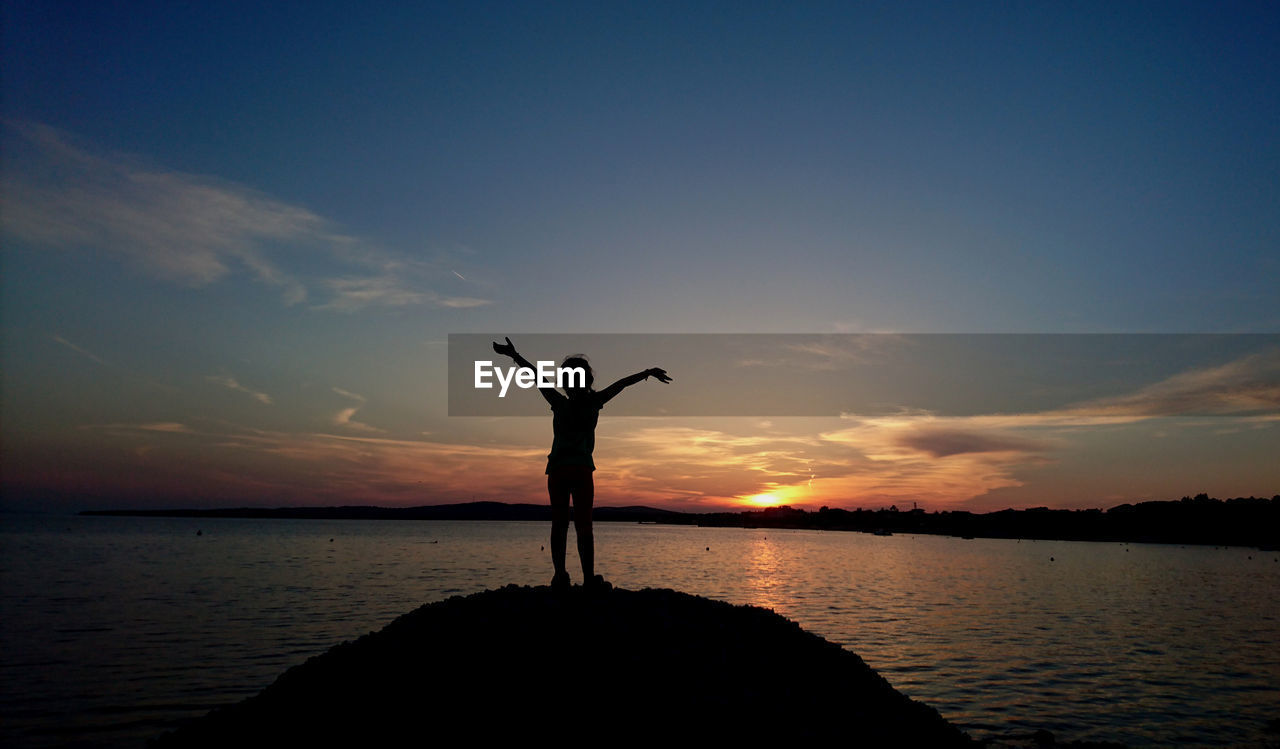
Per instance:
{"type": "Point", "coordinates": [333, 468]}
{"type": "Point", "coordinates": [459, 302]}
{"type": "Point", "coordinates": [234, 464]}
{"type": "Point", "coordinates": [170, 427]}
{"type": "Point", "coordinates": [166, 427]}
{"type": "Point", "coordinates": [344, 417]}
{"type": "Point", "coordinates": [188, 228]}
{"type": "Point", "coordinates": [82, 351]}
{"type": "Point", "coordinates": [943, 442]}
{"type": "Point", "coordinates": [231, 383]}
{"type": "Point", "coordinates": [196, 229]}
{"type": "Point", "coordinates": [1244, 389]}
{"type": "Point", "coordinates": [356, 293]}
{"type": "Point", "coordinates": [1249, 385]}
{"type": "Point", "coordinates": [825, 352]}
{"type": "Point", "coordinates": [349, 394]}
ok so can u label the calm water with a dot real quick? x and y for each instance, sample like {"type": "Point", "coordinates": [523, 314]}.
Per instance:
{"type": "Point", "coordinates": [112, 629]}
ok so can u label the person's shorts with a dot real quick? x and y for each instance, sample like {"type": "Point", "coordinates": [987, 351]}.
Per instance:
{"type": "Point", "coordinates": [575, 480]}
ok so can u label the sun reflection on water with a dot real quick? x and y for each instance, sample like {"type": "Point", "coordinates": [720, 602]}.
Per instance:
{"type": "Point", "coordinates": [764, 579]}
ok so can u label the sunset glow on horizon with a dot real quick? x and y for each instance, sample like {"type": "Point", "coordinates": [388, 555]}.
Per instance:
{"type": "Point", "coordinates": [762, 500]}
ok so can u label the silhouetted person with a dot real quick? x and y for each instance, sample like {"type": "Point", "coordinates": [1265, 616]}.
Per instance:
{"type": "Point", "coordinates": [569, 466]}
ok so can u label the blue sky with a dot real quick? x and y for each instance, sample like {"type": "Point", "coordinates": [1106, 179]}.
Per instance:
{"type": "Point", "coordinates": [230, 217]}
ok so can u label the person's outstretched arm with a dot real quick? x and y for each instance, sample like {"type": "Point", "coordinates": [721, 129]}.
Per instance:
{"type": "Point", "coordinates": [629, 380]}
{"type": "Point", "coordinates": [509, 349]}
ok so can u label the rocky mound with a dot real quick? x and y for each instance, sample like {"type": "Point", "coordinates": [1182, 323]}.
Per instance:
{"type": "Point", "coordinates": [519, 662]}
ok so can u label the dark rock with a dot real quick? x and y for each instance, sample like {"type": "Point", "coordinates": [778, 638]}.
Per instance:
{"type": "Point", "coordinates": [524, 663]}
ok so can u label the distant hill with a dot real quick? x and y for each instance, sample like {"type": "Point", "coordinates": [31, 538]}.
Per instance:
{"type": "Point", "coordinates": [1243, 521]}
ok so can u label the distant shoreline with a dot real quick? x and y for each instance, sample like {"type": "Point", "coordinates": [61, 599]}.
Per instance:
{"type": "Point", "coordinates": [1197, 520]}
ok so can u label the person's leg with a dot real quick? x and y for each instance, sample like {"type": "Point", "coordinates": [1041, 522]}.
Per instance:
{"type": "Point", "coordinates": [558, 489]}
{"type": "Point", "coordinates": [584, 490]}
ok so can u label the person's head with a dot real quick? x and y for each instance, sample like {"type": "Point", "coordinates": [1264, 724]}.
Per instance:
{"type": "Point", "coordinates": [573, 384]}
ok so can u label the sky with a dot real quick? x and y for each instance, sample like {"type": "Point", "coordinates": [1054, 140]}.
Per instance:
{"type": "Point", "coordinates": [238, 236]}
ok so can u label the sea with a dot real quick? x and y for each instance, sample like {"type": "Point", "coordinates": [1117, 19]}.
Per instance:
{"type": "Point", "coordinates": [116, 629]}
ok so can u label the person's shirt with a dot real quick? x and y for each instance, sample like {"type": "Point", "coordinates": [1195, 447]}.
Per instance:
{"type": "Point", "coordinates": [573, 423]}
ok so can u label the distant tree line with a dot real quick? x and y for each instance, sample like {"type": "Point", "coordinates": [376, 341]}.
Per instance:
{"type": "Point", "coordinates": [1243, 521]}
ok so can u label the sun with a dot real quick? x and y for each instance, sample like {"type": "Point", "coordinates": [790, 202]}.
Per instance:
{"type": "Point", "coordinates": [764, 499]}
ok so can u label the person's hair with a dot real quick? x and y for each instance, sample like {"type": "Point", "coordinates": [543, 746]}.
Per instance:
{"type": "Point", "coordinates": [580, 360]}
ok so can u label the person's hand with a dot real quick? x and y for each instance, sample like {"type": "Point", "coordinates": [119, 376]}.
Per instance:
{"type": "Point", "coordinates": [508, 350]}
{"type": "Point", "coordinates": [661, 374]}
